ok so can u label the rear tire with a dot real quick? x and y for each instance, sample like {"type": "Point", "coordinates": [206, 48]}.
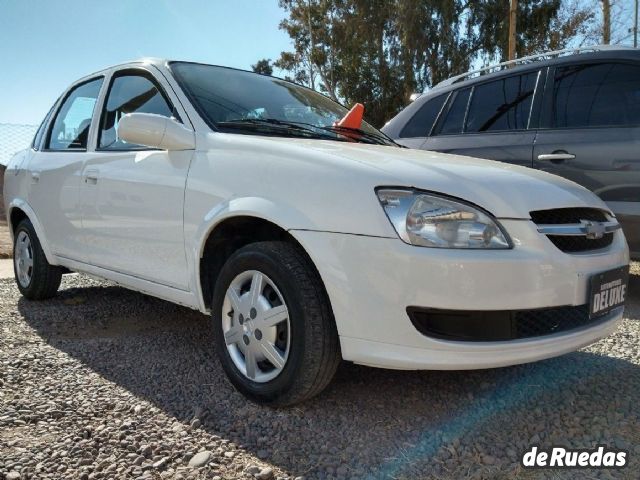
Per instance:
{"type": "Point", "coordinates": [35, 277]}
{"type": "Point", "coordinates": [290, 295]}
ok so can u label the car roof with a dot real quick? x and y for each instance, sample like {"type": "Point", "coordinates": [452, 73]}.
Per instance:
{"type": "Point", "coordinates": [163, 62]}
{"type": "Point", "coordinates": [622, 53]}
{"type": "Point", "coordinates": [131, 63]}
{"type": "Point", "coordinates": [159, 62]}
{"type": "Point", "coordinates": [397, 123]}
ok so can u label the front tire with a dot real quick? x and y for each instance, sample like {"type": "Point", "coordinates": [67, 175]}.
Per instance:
{"type": "Point", "coordinates": [275, 333]}
{"type": "Point", "coordinates": [36, 278]}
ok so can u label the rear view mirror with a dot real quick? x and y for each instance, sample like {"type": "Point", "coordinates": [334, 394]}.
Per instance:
{"type": "Point", "coordinates": [155, 131]}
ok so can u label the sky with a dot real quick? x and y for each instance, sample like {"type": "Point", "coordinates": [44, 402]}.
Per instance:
{"type": "Point", "coordinates": [46, 45]}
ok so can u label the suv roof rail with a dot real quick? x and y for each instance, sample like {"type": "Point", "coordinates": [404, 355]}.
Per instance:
{"type": "Point", "coordinates": [531, 58]}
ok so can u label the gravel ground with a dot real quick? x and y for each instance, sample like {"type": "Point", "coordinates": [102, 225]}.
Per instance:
{"type": "Point", "coordinates": [101, 382]}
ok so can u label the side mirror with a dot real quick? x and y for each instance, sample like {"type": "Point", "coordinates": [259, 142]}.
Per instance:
{"type": "Point", "coordinates": [155, 131]}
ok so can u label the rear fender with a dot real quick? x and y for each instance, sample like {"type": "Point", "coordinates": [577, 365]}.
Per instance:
{"type": "Point", "coordinates": [18, 203]}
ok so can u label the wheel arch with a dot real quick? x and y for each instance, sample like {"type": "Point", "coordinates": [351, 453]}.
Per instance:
{"type": "Point", "coordinates": [232, 233]}
{"type": "Point", "coordinates": [19, 210]}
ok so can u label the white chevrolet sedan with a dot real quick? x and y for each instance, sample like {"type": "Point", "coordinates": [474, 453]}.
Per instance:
{"type": "Point", "coordinates": [306, 238]}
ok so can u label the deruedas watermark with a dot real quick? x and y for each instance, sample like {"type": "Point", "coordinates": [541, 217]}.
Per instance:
{"type": "Point", "coordinates": [562, 457]}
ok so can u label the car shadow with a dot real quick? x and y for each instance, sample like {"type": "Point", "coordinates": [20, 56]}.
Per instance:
{"type": "Point", "coordinates": [372, 422]}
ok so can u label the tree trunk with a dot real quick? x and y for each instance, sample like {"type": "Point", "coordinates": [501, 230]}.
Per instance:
{"type": "Point", "coordinates": [606, 21]}
{"type": "Point", "coordinates": [311, 47]}
{"type": "Point", "coordinates": [513, 16]}
{"type": "Point", "coordinates": [382, 63]}
{"type": "Point", "coordinates": [328, 84]}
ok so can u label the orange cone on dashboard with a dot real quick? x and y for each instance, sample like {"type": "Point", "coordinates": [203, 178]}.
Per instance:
{"type": "Point", "coordinates": [353, 118]}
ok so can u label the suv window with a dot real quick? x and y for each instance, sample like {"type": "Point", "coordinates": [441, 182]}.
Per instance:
{"type": "Point", "coordinates": [596, 95]}
{"type": "Point", "coordinates": [70, 129]}
{"type": "Point", "coordinates": [454, 119]}
{"type": "Point", "coordinates": [501, 105]}
{"type": "Point", "coordinates": [129, 93]}
{"type": "Point", "coordinates": [422, 121]}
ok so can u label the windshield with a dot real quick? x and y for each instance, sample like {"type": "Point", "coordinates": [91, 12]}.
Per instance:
{"type": "Point", "coordinates": [237, 101]}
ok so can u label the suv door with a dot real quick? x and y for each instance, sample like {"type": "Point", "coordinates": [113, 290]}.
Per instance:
{"type": "Point", "coordinates": [132, 195]}
{"type": "Point", "coordinates": [489, 120]}
{"type": "Point", "coordinates": [55, 169]}
{"type": "Point", "coordinates": [591, 135]}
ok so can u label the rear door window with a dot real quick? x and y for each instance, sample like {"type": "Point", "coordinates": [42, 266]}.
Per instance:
{"type": "Point", "coordinates": [70, 129]}
{"type": "Point", "coordinates": [596, 95]}
{"type": "Point", "coordinates": [129, 93]}
{"type": "Point", "coordinates": [453, 121]}
{"type": "Point", "coordinates": [502, 105]}
{"type": "Point", "coordinates": [422, 121]}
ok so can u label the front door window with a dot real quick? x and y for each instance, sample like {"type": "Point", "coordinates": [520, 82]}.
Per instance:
{"type": "Point", "coordinates": [129, 93]}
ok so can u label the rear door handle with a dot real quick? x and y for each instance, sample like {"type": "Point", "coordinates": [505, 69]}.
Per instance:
{"type": "Point", "coordinates": [556, 156]}
{"type": "Point", "coordinates": [91, 177]}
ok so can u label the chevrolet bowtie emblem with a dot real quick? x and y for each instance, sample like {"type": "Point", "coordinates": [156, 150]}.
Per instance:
{"type": "Point", "coordinates": [593, 230]}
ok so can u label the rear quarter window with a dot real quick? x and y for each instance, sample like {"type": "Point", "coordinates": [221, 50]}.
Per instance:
{"type": "Point", "coordinates": [421, 123]}
{"type": "Point", "coordinates": [37, 139]}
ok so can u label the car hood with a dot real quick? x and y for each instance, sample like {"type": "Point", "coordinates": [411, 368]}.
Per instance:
{"type": "Point", "coordinates": [507, 191]}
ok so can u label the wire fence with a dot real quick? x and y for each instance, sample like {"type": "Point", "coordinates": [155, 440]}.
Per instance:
{"type": "Point", "coordinates": [14, 138]}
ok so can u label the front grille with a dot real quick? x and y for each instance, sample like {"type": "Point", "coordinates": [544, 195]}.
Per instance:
{"type": "Point", "coordinates": [572, 243]}
{"type": "Point", "coordinates": [567, 215]}
{"type": "Point", "coordinates": [498, 325]}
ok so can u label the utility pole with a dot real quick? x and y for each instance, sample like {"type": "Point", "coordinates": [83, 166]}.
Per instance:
{"type": "Point", "coordinates": [513, 16]}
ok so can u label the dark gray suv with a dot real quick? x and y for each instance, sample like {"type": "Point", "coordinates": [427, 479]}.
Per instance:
{"type": "Point", "coordinates": [575, 115]}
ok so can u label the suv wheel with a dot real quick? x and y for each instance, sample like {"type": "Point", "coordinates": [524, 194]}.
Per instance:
{"type": "Point", "coordinates": [275, 334]}
{"type": "Point", "coordinates": [36, 278]}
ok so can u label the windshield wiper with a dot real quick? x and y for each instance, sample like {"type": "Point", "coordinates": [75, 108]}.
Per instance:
{"type": "Point", "coordinates": [279, 126]}
{"type": "Point", "coordinates": [378, 138]}
{"type": "Point", "coordinates": [347, 134]}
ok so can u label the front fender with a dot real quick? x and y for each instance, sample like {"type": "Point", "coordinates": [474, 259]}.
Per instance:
{"type": "Point", "coordinates": [285, 217]}
{"type": "Point", "coordinates": [19, 203]}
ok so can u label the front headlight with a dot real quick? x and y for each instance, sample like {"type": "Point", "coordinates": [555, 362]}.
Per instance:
{"type": "Point", "coordinates": [430, 220]}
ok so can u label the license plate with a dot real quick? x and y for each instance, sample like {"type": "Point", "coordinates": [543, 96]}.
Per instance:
{"type": "Point", "coordinates": [607, 291]}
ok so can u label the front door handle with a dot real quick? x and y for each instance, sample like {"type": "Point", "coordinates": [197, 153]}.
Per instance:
{"type": "Point", "coordinates": [556, 156]}
{"type": "Point", "coordinates": [91, 177]}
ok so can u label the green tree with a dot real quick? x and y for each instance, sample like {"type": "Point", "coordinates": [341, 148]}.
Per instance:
{"type": "Point", "coordinates": [533, 26]}
{"type": "Point", "coordinates": [378, 52]}
{"type": "Point", "coordinates": [263, 67]}
{"type": "Point", "coordinates": [311, 26]}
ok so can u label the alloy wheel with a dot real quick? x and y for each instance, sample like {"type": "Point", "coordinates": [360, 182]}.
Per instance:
{"type": "Point", "coordinates": [23, 259]}
{"type": "Point", "coordinates": [256, 327]}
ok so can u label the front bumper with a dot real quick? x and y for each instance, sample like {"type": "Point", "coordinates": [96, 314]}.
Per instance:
{"type": "Point", "coordinates": [371, 281]}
